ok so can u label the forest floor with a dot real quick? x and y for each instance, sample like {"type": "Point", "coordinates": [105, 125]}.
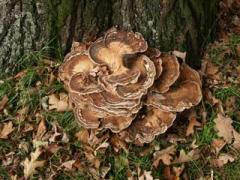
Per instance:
{"type": "Point", "coordinates": [39, 138]}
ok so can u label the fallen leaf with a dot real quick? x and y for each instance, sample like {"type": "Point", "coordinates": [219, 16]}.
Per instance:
{"type": "Point", "coordinates": [175, 139]}
{"type": "Point", "coordinates": [222, 160]}
{"type": "Point", "coordinates": [68, 165]}
{"type": "Point", "coordinates": [186, 157]}
{"type": "Point", "coordinates": [60, 103]}
{"type": "Point", "coordinates": [193, 144]}
{"type": "Point", "coordinates": [103, 145]}
{"type": "Point", "coordinates": [192, 123]}
{"type": "Point", "coordinates": [118, 144]}
{"type": "Point", "coordinates": [3, 102]}
{"type": "Point", "coordinates": [27, 127]}
{"type": "Point", "coordinates": [164, 155]}
{"type": "Point", "coordinates": [6, 130]}
{"type": "Point", "coordinates": [146, 175]}
{"type": "Point", "coordinates": [31, 165]}
{"type": "Point", "coordinates": [82, 136]}
{"type": "Point", "coordinates": [52, 148]}
{"type": "Point", "coordinates": [217, 145]}
{"type": "Point", "coordinates": [236, 142]}
{"type": "Point", "coordinates": [41, 130]}
{"type": "Point", "coordinates": [20, 74]}
{"type": "Point", "coordinates": [105, 170]}
{"type": "Point", "coordinates": [224, 127]}
{"type": "Point", "coordinates": [173, 173]}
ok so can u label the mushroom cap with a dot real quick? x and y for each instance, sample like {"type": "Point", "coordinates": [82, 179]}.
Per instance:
{"type": "Point", "coordinates": [84, 83]}
{"type": "Point", "coordinates": [87, 117]}
{"type": "Point", "coordinates": [145, 80]}
{"type": "Point", "coordinates": [112, 49]}
{"type": "Point", "coordinates": [154, 123]}
{"type": "Point", "coordinates": [188, 73]}
{"type": "Point", "coordinates": [75, 63]}
{"type": "Point", "coordinates": [117, 123]}
{"type": "Point", "coordinates": [188, 94]}
{"type": "Point", "coordinates": [169, 75]}
{"type": "Point", "coordinates": [112, 79]}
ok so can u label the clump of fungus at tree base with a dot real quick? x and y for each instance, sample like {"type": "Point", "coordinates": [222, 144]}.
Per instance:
{"type": "Point", "coordinates": [121, 84]}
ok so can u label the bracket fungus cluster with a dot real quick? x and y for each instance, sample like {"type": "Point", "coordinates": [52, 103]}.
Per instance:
{"type": "Point", "coordinates": [119, 83]}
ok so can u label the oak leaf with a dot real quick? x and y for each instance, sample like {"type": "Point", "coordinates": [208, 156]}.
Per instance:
{"type": "Point", "coordinates": [224, 127]}
{"type": "Point", "coordinates": [186, 157]}
{"type": "Point", "coordinates": [3, 102]}
{"type": "Point", "coordinates": [236, 142]}
{"type": "Point", "coordinates": [6, 130]}
{"type": "Point", "coordinates": [60, 103]}
{"type": "Point", "coordinates": [31, 165]}
{"type": "Point", "coordinates": [164, 155]}
{"type": "Point", "coordinates": [222, 160]}
{"type": "Point", "coordinates": [192, 123]}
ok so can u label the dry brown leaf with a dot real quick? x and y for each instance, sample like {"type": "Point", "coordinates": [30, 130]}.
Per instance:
{"type": "Point", "coordinates": [236, 142]}
{"type": "Point", "coordinates": [173, 173]}
{"type": "Point", "coordinates": [222, 160]}
{"type": "Point", "coordinates": [217, 145]}
{"type": "Point", "coordinates": [6, 130]}
{"type": "Point", "coordinates": [20, 74]}
{"type": "Point", "coordinates": [27, 127]}
{"type": "Point", "coordinates": [118, 144]}
{"type": "Point", "coordinates": [146, 175]}
{"type": "Point", "coordinates": [103, 145]}
{"type": "Point", "coordinates": [41, 130]}
{"type": "Point", "coordinates": [186, 157]}
{"type": "Point", "coordinates": [52, 148]}
{"type": "Point", "coordinates": [68, 165]}
{"type": "Point", "coordinates": [164, 155]}
{"type": "Point", "coordinates": [31, 165]}
{"type": "Point", "coordinates": [224, 127]}
{"type": "Point", "coordinates": [88, 151]}
{"type": "Point", "coordinates": [175, 139]}
{"type": "Point", "coordinates": [82, 136]}
{"type": "Point", "coordinates": [105, 170]}
{"type": "Point", "coordinates": [194, 144]}
{"type": "Point", "coordinates": [60, 103]}
{"type": "Point", "coordinates": [3, 102]}
{"type": "Point", "coordinates": [192, 123]}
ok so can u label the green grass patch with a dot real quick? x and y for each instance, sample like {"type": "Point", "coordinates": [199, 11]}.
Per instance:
{"type": "Point", "coordinates": [224, 93]}
{"type": "Point", "coordinates": [207, 134]}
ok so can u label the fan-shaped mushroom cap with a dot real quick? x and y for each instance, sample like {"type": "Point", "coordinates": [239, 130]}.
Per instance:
{"type": "Point", "coordinates": [154, 123]}
{"type": "Point", "coordinates": [170, 73]}
{"type": "Point", "coordinates": [145, 80]}
{"type": "Point", "coordinates": [117, 123]}
{"type": "Point", "coordinates": [108, 81]}
{"type": "Point", "coordinates": [87, 118]}
{"type": "Point", "coordinates": [84, 83]}
{"type": "Point", "coordinates": [75, 63]}
{"type": "Point", "coordinates": [188, 73]}
{"type": "Point", "coordinates": [185, 96]}
{"type": "Point", "coordinates": [111, 49]}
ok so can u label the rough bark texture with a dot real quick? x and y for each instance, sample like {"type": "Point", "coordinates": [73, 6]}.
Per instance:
{"type": "Point", "coordinates": [27, 25]}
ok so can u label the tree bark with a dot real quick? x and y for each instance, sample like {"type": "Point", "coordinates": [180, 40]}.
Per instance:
{"type": "Point", "coordinates": [29, 25]}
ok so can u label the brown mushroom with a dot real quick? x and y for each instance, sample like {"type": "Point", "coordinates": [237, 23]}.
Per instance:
{"type": "Point", "coordinates": [118, 83]}
{"type": "Point", "coordinates": [154, 123]}
{"type": "Point", "coordinates": [184, 96]}
{"type": "Point", "coordinates": [188, 94]}
{"type": "Point", "coordinates": [75, 63]}
{"type": "Point", "coordinates": [169, 74]}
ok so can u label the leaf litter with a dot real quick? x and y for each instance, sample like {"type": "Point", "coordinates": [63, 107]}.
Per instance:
{"type": "Point", "coordinates": [43, 141]}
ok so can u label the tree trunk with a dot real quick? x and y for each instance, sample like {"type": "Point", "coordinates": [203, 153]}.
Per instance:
{"type": "Point", "coordinates": [28, 25]}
